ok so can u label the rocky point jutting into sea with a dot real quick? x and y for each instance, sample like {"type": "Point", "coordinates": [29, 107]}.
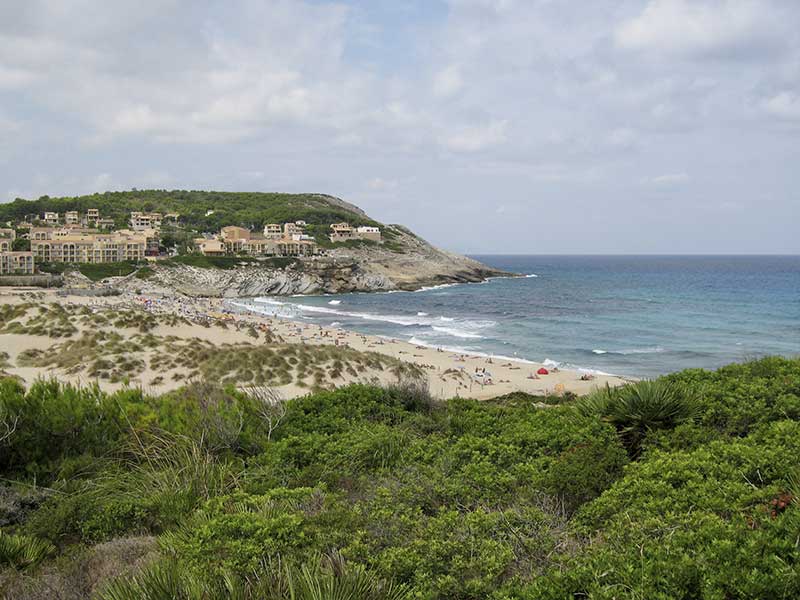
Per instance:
{"type": "Point", "coordinates": [339, 271]}
{"type": "Point", "coordinates": [394, 259]}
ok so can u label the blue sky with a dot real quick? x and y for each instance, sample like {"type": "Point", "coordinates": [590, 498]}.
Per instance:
{"type": "Point", "coordinates": [534, 126]}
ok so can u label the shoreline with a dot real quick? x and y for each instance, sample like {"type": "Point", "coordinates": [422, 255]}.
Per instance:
{"type": "Point", "coordinates": [449, 373]}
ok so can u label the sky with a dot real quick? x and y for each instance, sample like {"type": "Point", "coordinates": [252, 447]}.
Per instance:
{"type": "Point", "coordinates": [487, 126]}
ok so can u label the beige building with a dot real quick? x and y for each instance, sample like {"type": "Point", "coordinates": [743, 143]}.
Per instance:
{"type": "Point", "coordinates": [96, 248]}
{"type": "Point", "coordinates": [238, 240]}
{"type": "Point", "coordinates": [273, 231]}
{"type": "Point", "coordinates": [141, 221]}
{"type": "Point", "coordinates": [7, 237]}
{"type": "Point", "coordinates": [368, 233]}
{"type": "Point", "coordinates": [72, 217]}
{"type": "Point", "coordinates": [341, 232]}
{"type": "Point", "coordinates": [210, 247]}
{"type": "Point", "coordinates": [92, 215]}
{"type": "Point", "coordinates": [51, 218]}
{"type": "Point", "coordinates": [16, 263]}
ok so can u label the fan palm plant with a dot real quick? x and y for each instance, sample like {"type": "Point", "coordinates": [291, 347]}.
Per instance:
{"type": "Point", "coordinates": [639, 408]}
{"type": "Point", "coordinates": [327, 577]}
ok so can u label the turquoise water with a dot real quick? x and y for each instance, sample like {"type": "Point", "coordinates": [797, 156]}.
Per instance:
{"type": "Point", "coordinates": [627, 315]}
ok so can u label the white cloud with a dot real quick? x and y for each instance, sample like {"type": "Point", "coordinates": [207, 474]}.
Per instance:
{"type": "Point", "coordinates": [698, 27]}
{"type": "Point", "coordinates": [669, 179]}
{"type": "Point", "coordinates": [475, 138]}
{"type": "Point", "coordinates": [448, 82]}
{"type": "Point", "coordinates": [378, 184]}
{"type": "Point", "coordinates": [785, 105]}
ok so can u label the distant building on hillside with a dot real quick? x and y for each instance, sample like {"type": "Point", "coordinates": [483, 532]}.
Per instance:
{"type": "Point", "coordinates": [210, 247]}
{"type": "Point", "coordinates": [238, 240]}
{"type": "Point", "coordinates": [273, 231]}
{"type": "Point", "coordinates": [16, 263]}
{"type": "Point", "coordinates": [82, 247]}
{"type": "Point", "coordinates": [369, 233]}
{"type": "Point", "coordinates": [140, 221]}
{"type": "Point", "coordinates": [7, 237]}
{"type": "Point", "coordinates": [92, 216]}
{"type": "Point", "coordinates": [341, 232]}
{"type": "Point", "coordinates": [72, 217]}
{"type": "Point", "coordinates": [51, 218]}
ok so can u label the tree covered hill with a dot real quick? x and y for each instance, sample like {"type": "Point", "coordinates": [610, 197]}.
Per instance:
{"type": "Point", "coordinates": [247, 209]}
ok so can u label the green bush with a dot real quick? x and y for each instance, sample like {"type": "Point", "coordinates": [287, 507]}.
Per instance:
{"type": "Point", "coordinates": [639, 408]}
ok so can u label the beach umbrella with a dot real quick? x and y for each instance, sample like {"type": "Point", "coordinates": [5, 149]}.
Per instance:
{"type": "Point", "coordinates": [543, 371]}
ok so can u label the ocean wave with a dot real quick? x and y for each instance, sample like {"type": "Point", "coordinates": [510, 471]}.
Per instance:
{"type": "Point", "coordinates": [531, 275]}
{"type": "Point", "coordinates": [554, 364]}
{"type": "Point", "coordinates": [455, 332]}
{"type": "Point", "coordinates": [460, 328]}
{"type": "Point", "coordinates": [650, 350]}
{"type": "Point", "coordinates": [436, 287]}
{"type": "Point", "coordinates": [335, 302]}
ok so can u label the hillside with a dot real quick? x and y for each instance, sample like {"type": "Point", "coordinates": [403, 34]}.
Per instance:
{"type": "Point", "coordinates": [403, 261]}
{"type": "Point", "coordinates": [247, 209]}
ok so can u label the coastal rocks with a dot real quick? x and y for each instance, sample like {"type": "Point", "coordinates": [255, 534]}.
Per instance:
{"type": "Point", "coordinates": [406, 262]}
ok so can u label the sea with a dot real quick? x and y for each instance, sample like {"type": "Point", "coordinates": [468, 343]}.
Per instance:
{"type": "Point", "coordinates": [638, 316]}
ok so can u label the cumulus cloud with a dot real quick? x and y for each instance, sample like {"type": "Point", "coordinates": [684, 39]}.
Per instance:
{"type": "Point", "coordinates": [478, 137]}
{"type": "Point", "coordinates": [668, 179]}
{"type": "Point", "coordinates": [564, 105]}
{"type": "Point", "coordinates": [448, 82]}
{"type": "Point", "coordinates": [701, 27]}
{"type": "Point", "coordinates": [785, 105]}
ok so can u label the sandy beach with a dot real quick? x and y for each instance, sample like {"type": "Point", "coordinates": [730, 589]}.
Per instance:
{"type": "Point", "coordinates": [217, 324]}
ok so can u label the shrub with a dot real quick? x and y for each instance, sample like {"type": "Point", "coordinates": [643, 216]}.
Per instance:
{"type": "Point", "coordinates": [22, 551]}
{"type": "Point", "coordinates": [639, 408]}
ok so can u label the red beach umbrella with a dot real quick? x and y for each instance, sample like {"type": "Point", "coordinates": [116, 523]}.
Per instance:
{"type": "Point", "coordinates": [543, 371]}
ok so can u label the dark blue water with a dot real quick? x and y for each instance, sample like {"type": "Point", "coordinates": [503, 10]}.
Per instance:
{"type": "Point", "coordinates": [631, 315]}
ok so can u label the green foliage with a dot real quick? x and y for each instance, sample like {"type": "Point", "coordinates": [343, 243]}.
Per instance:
{"type": "Point", "coordinates": [22, 551]}
{"type": "Point", "coordinates": [637, 409]}
{"type": "Point", "coordinates": [98, 271]}
{"type": "Point", "coordinates": [144, 273]}
{"type": "Point", "coordinates": [21, 244]}
{"type": "Point", "coordinates": [247, 209]}
{"type": "Point", "coordinates": [323, 578]}
{"type": "Point", "coordinates": [254, 498]}
{"type": "Point", "coordinates": [209, 262]}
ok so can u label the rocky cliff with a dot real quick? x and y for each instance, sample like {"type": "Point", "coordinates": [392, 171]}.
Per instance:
{"type": "Point", "coordinates": [409, 263]}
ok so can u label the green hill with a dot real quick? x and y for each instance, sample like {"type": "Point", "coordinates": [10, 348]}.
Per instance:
{"type": "Point", "coordinates": [247, 209]}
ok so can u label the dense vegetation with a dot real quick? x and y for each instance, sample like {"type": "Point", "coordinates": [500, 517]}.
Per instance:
{"type": "Point", "coordinates": [682, 488]}
{"type": "Point", "coordinates": [247, 209]}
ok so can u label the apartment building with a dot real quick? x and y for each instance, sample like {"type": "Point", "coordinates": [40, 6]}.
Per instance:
{"type": "Point", "coordinates": [341, 232]}
{"type": "Point", "coordinates": [140, 221]}
{"type": "Point", "coordinates": [211, 247]}
{"type": "Point", "coordinates": [7, 237]}
{"type": "Point", "coordinates": [95, 248]}
{"type": "Point", "coordinates": [368, 233]}
{"type": "Point", "coordinates": [273, 231]}
{"type": "Point", "coordinates": [16, 263]}
{"type": "Point", "coordinates": [72, 217]}
{"type": "Point", "coordinates": [238, 240]}
{"type": "Point", "coordinates": [92, 216]}
{"type": "Point", "coordinates": [51, 218]}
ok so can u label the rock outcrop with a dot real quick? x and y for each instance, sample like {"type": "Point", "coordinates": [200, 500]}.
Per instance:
{"type": "Point", "coordinates": [407, 263]}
